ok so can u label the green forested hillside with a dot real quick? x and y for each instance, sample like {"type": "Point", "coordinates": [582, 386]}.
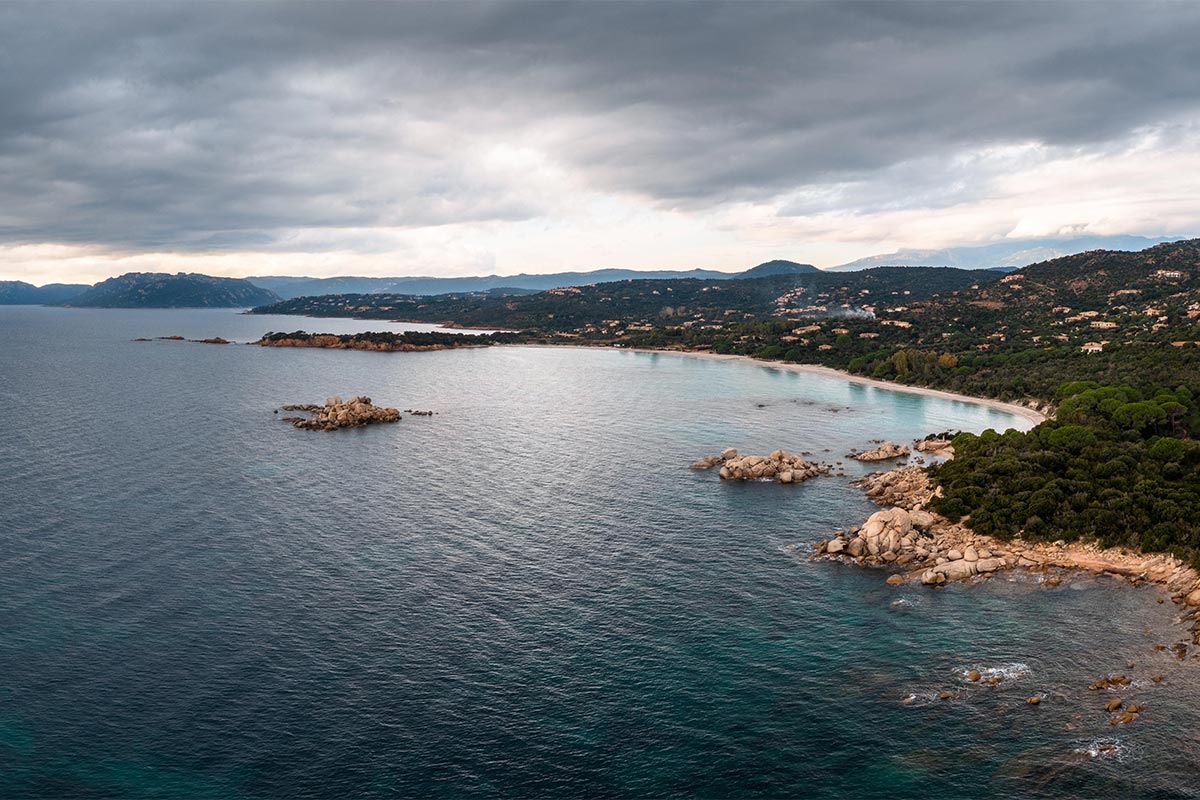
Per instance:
{"type": "Point", "coordinates": [1116, 464]}
{"type": "Point", "coordinates": [599, 310]}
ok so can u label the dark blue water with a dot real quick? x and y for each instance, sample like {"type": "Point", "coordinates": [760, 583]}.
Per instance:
{"type": "Point", "coordinates": [527, 595]}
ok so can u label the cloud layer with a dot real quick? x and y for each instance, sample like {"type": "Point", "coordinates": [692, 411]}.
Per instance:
{"type": "Point", "coordinates": [441, 137]}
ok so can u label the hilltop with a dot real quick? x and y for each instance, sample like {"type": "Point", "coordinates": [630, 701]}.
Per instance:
{"type": "Point", "coordinates": [1121, 316]}
{"type": "Point", "coordinates": [163, 290]}
{"type": "Point", "coordinates": [1007, 254]}
{"type": "Point", "coordinates": [778, 267]}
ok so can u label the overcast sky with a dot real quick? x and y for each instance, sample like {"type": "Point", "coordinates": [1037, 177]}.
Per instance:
{"type": "Point", "coordinates": [449, 139]}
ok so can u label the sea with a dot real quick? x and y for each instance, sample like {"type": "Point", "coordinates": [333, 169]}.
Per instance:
{"type": "Point", "coordinates": [526, 595]}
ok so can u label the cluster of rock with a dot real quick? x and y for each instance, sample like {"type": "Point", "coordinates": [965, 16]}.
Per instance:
{"type": "Point", "coordinates": [937, 447]}
{"type": "Point", "coordinates": [1122, 713]}
{"type": "Point", "coordinates": [949, 563]}
{"type": "Point", "coordinates": [992, 678]}
{"type": "Point", "coordinates": [780, 465]}
{"type": "Point", "coordinates": [935, 551]}
{"type": "Point", "coordinates": [210, 340]}
{"type": "Point", "coordinates": [891, 536]}
{"type": "Point", "coordinates": [885, 452]}
{"type": "Point", "coordinates": [335, 414]}
{"type": "Point", "coordinates": [1192, 616]}
{"type": "Point", "coordinates": [1110, 682]}
{"type": "Point", "coordinates": [907, 487]}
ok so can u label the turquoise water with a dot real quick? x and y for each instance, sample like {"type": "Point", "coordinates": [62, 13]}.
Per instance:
{"type": "Point", "coordinates": [526, 595]}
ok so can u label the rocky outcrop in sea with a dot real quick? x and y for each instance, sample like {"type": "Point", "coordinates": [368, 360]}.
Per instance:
{"type": "Point", "coordinates": [885, 452]}
{"type": "Point", "coordinates": [780, 465]}
{"type": "Point", "coordinates": [335, 414]}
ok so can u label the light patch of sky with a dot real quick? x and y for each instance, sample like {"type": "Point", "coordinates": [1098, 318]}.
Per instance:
{"type": "Point", "coordinates": [1148, 184]}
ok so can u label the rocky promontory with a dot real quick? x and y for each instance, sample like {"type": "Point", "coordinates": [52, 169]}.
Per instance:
{"type": "Point", "coordinates": [780, 465]}
{"type": "Point", "coordinates": [335, 414]}
{"type": "Point", "coordinates": [934, 550]}
{"type": "Point", "coordinates": [386, 341]}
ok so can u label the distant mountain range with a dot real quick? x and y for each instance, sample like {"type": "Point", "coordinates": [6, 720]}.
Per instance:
{"type": "Point", "coordinates": [1011, 253]}
{"type": "Point", "coordinates": [1006, 256]}
{"type": "Point", "coordinates": [19, 293]}
{"type": "Point", "coordinates": [290, 287]}
{"type": "Point", "coordinates": [181, 290]}
{"type": "Point", "coordinates": [161, 290]}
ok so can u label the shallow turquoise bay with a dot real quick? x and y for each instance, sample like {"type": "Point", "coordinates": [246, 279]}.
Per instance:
{"type": "Point", "coordinates": [526, 595]}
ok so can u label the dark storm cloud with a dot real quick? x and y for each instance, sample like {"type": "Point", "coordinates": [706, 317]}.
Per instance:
{"type": "Point", "coordinates": [212, 126]}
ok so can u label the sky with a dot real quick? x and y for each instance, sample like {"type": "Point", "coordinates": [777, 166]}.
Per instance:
{"type": "Point", "coordinates": [338, 138]}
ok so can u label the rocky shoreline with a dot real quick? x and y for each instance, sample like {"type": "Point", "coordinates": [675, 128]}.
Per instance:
{"type": "Point", "coordinates": [933, 551]}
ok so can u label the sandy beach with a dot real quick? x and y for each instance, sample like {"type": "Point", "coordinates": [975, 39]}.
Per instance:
{"type": "Point", "coordinates": [815, 369]}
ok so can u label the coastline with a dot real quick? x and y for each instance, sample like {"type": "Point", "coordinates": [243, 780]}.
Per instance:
{"type": "Point", "coordinates": [1034, 416]}
{"type": "Point", "coordinates": [1174, 577]}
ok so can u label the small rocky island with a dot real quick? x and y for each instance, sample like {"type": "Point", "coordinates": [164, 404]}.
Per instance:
{"type": "Point", "coordinates": [335, 414]}
{"type": "Point", "coordinates": [780, 465]}
{"type": "Point", "coordinates": [885, 452]}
